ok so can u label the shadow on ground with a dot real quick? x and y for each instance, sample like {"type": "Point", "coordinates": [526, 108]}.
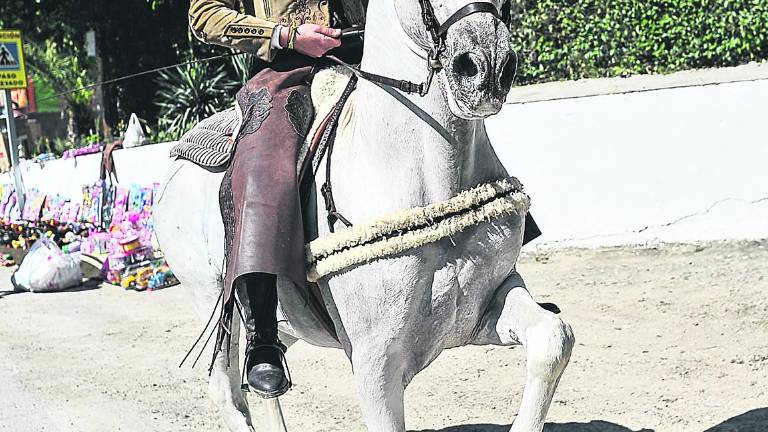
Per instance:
{"type": "Point", "coordinates": [751, 421]}
{"type": "Point", "coordinates": [593, 426]}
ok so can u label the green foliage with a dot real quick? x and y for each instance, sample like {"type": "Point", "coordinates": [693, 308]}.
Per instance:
{"type": "Point", "coordinates": [596, 38]}
{"type": "Point", "coordinates": [190, 93]}
{"type": "Point", "coordinates": [241, 67]}
{"type": "Point", "coordinates": [46, 100]}
{"type": "Point", "coordinates": [62, 69]}
{"type": "Point", "coordinates": [60, 145]}
{"type": "Point", "coordinates": [131, 36]}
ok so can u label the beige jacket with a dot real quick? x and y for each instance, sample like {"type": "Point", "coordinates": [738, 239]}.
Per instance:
{"type": "Point", "coordinates": [221, 22]}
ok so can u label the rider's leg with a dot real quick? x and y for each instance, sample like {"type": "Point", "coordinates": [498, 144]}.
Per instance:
{"type": "Point", "coordinates": [261, 210]}
{"type": "Point", "coordinates": [257, 295]}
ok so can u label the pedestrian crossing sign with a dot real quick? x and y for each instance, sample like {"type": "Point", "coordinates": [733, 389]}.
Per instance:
{"type": "Point", "coordinates": [12, 73]}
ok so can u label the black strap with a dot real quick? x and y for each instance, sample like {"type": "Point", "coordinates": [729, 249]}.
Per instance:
{"type": "Point", "coordinates": [327, 141]}
{"type": "Point", "coordinates": [472, 8]}
{"type": "Point", "coordinates": [430, 21]}
{"type": "Point", "coordinates": [402, 85]}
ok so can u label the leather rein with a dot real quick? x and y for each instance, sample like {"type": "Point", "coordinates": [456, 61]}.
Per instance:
{"type": "Point", "coordinates": [438, 34]}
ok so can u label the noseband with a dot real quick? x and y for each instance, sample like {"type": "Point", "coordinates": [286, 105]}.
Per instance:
{"type": "Point", "coordinates": [438, 33]}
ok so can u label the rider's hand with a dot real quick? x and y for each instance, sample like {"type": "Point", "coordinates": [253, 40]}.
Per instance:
{"type": "Point", "coordinates": [312, 39]}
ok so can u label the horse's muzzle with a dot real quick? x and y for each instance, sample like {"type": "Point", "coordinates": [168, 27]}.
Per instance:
{"type": "Point", "coordinates": [479, 66]}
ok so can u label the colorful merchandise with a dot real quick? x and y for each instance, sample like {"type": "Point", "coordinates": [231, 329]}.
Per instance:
{"type": "Point", "coordinates": [110, 221]}
{"type": "Point", "coordinates": [90, 211]}
{"type": "Point", "coordinates": [53, 208]}
{"type": "Point", "coordinates": [82, 151]}
{"type": "Point", "coordinates": [33, 205]}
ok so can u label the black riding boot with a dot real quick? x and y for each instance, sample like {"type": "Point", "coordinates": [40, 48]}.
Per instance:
{"type": "Point", "coordinates": [257, 293]}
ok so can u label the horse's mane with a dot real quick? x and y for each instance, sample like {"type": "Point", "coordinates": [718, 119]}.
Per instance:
{"type": "Point", "coordinates": [354, 11]}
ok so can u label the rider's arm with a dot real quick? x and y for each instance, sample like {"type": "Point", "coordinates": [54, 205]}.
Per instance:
{"type": "Point", "coordinates": [218, 22]}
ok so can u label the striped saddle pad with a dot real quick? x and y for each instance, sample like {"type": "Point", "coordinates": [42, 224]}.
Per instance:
{"type": "Point", "coordinates": [209, 143]}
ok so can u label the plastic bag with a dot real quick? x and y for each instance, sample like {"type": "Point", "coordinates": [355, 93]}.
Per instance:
{"type": "Point", "coordinates": [134, 134]}
{"type": "Point", "coordinates": [47, 268]}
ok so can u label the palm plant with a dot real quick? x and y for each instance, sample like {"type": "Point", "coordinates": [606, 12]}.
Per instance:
{"type": "Point", "coordinates": [190, 93]}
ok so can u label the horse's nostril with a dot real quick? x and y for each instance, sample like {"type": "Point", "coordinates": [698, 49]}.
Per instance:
{"type": "Point", "coordinates": [508, 72]}
{"type": "Point", "coordinates": [465, 65]}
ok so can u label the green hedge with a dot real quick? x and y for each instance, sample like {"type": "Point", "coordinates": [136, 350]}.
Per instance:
{"type": "Point", "coordinates": [572, 39]}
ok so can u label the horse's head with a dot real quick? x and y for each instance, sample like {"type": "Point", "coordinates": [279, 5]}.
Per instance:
{"type": "Point", "coordinates": [478, 66]}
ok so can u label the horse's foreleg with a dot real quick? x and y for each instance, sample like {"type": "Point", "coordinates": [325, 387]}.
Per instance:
{"type": "Point", "coordinates": [514, 318]}
{"type": "Point", "coordinates": [380, 386]}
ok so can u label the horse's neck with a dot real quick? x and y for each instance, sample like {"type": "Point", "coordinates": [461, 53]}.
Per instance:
{"type": "Point", "coordinates": [395, 146]}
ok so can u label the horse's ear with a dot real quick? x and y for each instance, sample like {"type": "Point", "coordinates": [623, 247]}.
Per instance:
{"type": "Point", "coordinates": [506, 12]}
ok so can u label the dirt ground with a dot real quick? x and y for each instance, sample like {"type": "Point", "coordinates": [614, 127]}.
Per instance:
{"type": "Point", "coordinates": [669, 338]}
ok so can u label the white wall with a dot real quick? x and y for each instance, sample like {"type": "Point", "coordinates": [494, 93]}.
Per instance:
{"type": "Point", "coordinates": [141, 165]}
{"type": "Point", "coordinates": [600, 169]}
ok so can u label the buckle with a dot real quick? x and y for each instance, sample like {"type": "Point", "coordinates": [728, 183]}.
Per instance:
{"type": "Point", "coordinates": [406, 86]}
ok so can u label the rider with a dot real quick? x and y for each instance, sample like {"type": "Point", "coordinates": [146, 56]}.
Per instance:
{"type": "Point", "coordinates": [259, 194]}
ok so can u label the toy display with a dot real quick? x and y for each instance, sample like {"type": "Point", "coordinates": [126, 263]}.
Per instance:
{"type": "Point", "coordinates": [90, 210]}
{"type": "Point", "coordinates": [110, 222]}
{"type": "Point", "coordinates": [33, 205]}
{"type": "Point", "coordinates": [6, 260]}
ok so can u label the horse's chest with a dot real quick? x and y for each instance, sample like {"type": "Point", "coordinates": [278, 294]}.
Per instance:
{"type": "Point", "coordinates": [433, 296]}
{"type": "Point", "coordinates": [475, 264]}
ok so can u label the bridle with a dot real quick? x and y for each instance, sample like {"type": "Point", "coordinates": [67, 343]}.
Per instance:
{"type": "Point", "coordinates": [438, 33]}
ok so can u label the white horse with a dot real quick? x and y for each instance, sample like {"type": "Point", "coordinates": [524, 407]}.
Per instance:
{"type": "Point", "coordinates": [394, 316]}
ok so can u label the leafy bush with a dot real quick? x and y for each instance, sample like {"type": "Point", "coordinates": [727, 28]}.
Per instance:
{"type": "Point", "coordinates": [190, 93]}
{"type": "Point", "coordinates": [62, 69]}
{"type": "Point", "coordinates": [570, 39]}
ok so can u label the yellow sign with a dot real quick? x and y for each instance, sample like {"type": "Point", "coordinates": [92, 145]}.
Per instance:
{"type": "Point", "coordinates": [12, 73]}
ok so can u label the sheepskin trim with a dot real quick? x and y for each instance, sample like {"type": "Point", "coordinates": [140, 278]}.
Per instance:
{"type": "Point", "coordinates": [412, 228]}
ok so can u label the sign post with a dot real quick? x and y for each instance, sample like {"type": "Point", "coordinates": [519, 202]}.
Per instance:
{"type": "Point", "coordinates": [12, 76]}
